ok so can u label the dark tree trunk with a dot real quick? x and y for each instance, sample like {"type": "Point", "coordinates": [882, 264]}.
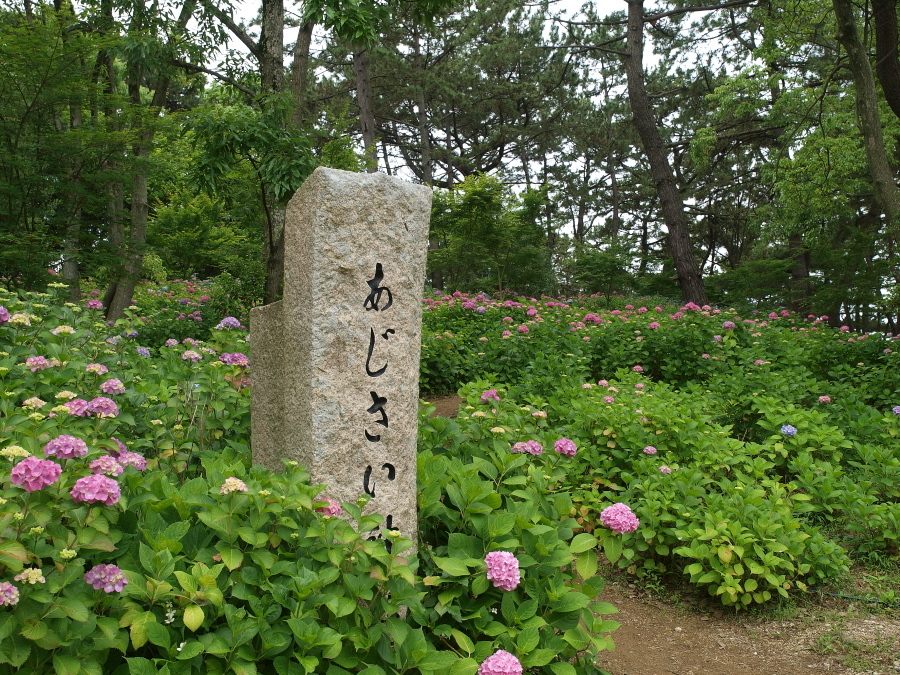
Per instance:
{"type": "Point", "coordinates": [882, 176]}
{"type": "Point", "coordinates": [692, 289]}
{"type": "Point", "coordinates": [271, 43]}
{"type": "Point", "coordinates": [801, 288]}
{"type": "Point", "coordinates": [887, 64]}
{"type": "Point", "coordinates": [366, 112]}
{"type": "Point", "coordinates": [424, 134]}
{"type": "Point", "coordinates": [300, 74]}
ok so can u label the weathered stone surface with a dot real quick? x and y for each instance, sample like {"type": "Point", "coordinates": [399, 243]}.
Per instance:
{"type": "Point", "coordinates": [340, 357]}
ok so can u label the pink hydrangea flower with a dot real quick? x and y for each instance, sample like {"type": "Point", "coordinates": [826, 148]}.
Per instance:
{"type": "Point", "coordinates": [704, 356]}
{"type": "Point", "coordinates": [171, 342]}
{"type": "Point", "coordinates": [33, 473]}
{"type": "Point", "coordinates": [638, 369]}
{"type": "Point", "coordinates": [96, 488]}
{"type": "Point", "coordinates": [505, 334]}
{"type": "Point", "coordinates": [649, 450]}
{"type": "Point", "coordinates": [107, 578]}
{"type": "Point", "coordinates": [824, 399]}
{"type": "Point", "coordinates": [665, 469]}
{"type": "Point", "coordinates": [531, 447]}
{"type": "Point", "coordinates": [9, 595]}
{"type": "Point", "coordinates": [127, 458]}
{"type": "Point", "coordinates": [490, 394]}
{"type": "Point", "coordinates": [728, 325]}
{"type": "Point", "coordinates": [566, 447]}
{"type": "Point", "coordinates": [333, 508]}
{"type": "Point", "coordinates": [94, 304]}
{"type": "Point", "coordinates": [191, 355]}
{"type": "Point", "coordinates": [107, 465]}
{"type": "Point", "coordinates": [112, 386]}
{"type": "Point", "coordinates": [502, 570]}
{"type": "Point", "coordinates": [66, 447]}
{"type": "Point", "coordinates": [523, 329]}
{"type": "Point", "coordinates": [96, 368]}
{"type": "Point", "coordinates": [619, 518]}
{"type": "Point", "coordinates": [79, 407]}
{"type": "Point", "coordinates": [602, 383]}
{"type": "Point", "coordinates": [35, 363]}
{"type": "Point", "coordinates": [103, 407]}
{"type": "Point", "coordinates": [608, 399]}
{"type": "Point", "coordinates": [33, 402]}
{"type": "Point", "coordinates": [653, 325]}
{"type": "Point", "coordinates": [500, 663]}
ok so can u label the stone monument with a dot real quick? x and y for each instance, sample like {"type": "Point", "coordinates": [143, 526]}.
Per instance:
{"type": "Point", "coordinates": [336, 361]}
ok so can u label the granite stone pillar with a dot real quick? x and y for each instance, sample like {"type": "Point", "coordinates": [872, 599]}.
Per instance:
{"type": "Point", "coordinates": [335, 366]}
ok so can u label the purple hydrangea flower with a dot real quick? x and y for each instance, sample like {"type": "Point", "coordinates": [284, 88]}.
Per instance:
{"type": "Point", "coordinates": [789, 430]}
{"type": "Point", "coordinates": [235, 359]}
{"type": "Point", "coordinates": [33, 473]}
{"type": "Point", "coordinates": [106, 578]}
{"type": "Point", "coordinates": [171, 342]}
{"type": "Point", "coordinates": [649, 450]}
{"type": "Point", "coordinates": [502, 570]}
{"type": "Point", "coordinates": [728, 325]}
{"type": "Point", "coordinates": [490, 394]}
{"type": "Point", "coordinates": [191, 355]}
{"type": "Point", "coordinates": [94, 304]}
{"type": "Point", "coordinates": [619, 518]}
{"type": "Point", "coordinates": [228, 322]}
{"type": "Point", "coordinates": [896, 410]}
{"type": "Point", "coordinates": [142, 351]}
{"type": "Point", "coordinates": [66, 447]}
{"type": "Point", "coordinates": [4, 315]}
{"type": "Point", "coordinates": [566, 447]}
{"type": "Point", "coordinates": [79, 407]}
{"type": "Point", "coordinates": [96, 488]}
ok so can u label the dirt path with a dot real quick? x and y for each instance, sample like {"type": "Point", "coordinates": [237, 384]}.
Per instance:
{"type": "Point", "coordinates": [662, 639]}
{"type": "Point", "coordinates": [689, 635]}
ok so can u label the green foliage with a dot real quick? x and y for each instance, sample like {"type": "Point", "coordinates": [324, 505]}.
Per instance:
{"type": "Point", "coordinates": [485, 239]}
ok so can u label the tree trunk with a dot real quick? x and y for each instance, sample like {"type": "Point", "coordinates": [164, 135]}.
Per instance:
{"type": "Point", "coordinates": [887, 64]}
{"type": "Point", "coordinates": [801, 289]}
{"type": "Point", "coordinates": [364, 101]}
{"type": "Point", "coordinates": [692, 289]}
{"type": "Point", "coordinates": [424, 136]}
{"type": "Point", "coordinates": [300, 74]}
{"type": "Point", "coordinates": [271, 42]}
{"type": "Point", "coordinates": [886, 191]}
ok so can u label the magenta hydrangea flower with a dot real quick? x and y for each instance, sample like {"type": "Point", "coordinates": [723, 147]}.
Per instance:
{"type": "Point", "coordinates": [566, 447]}
{"type": "Point", "coordinates": [9, 594]}
{"type": "Point", "coordinates": [332, 509]}
{"type": "Point", "coordinates": [107, 465]}
{"type": "Point", "coordinates": [94, 304]}
{"type": "Point", "coordinates": [728, 325]}
{"type": "Point", "coordinates": [531, 447]}
{"type": "Point", "coordinates": [127, 458]}
{"type": "Point", "coordinates": [502, 570]}
{"type": "Point", "coordinates": [106, 578]}
{"type": "Point", "coordinates": [619, 518]}
{"type": "Point", "coordinates": [4, 315]}
{"type": "Point", "coordinates": [500, 663]}
{"type": "Point", "coordinates": [490, 394]}
{"type": "Point", "coordinates": [33, 473]}
{"type": "Point", "coordinates": [653, 325]}
{"type": "Point", "coordinates": [649, 450]}
{"type": "Point", "coordinates": [96, 488]}
{"type": "Point", "coordinates": [112, 386]}
{"type": "Point", "coordinates": [66, 447]}
{"type": "Point", "coordinates": [523, 329]}
{"type": "Point", "coordinates": [103, 407]}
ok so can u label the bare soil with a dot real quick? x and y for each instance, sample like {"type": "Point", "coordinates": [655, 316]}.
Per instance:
{"type": "Point", "coordinates": [678, 632]}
